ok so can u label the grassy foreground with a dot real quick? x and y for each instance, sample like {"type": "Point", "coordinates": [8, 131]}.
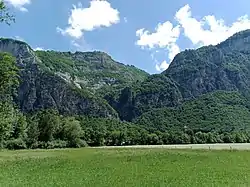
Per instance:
{"type": "Point", "coordinates": [124, 167]}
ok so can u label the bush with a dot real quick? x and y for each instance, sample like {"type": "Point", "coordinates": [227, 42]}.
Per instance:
{"type": "Point", "coordinates": [78, 143]}
{"type": "Point", "coordinates": [56, 144]}
{"type": "Point", "coordinates": [15, 144]}
{"type": "Point", "coordinates": [50, 145]}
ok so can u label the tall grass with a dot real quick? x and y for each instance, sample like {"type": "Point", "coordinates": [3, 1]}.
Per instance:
{"type": "Point", "coordinates": [124, 167]}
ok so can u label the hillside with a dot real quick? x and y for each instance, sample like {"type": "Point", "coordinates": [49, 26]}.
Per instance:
{"type": "Point", "coordinates": [203, 97]}
{"type": "Point", "coordinates": [68, 81]}
{"type": "Point", "coordinates": [219, 112]}
{"type": "Point", "coordinates": [191, 74]}
{"type": "Point", "coordinates": [95, 71]}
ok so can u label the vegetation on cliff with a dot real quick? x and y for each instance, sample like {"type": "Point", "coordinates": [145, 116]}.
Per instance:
{"type": "Point", "coordinates": [62, 99]}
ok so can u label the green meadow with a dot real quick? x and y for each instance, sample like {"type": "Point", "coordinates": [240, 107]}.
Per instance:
{"type": "Point", "coordinates": [124, 167]}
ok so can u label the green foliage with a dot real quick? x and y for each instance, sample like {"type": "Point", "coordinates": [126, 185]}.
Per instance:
{"type": "Point", "coordinates": [95, 71]}
{"type": "Point", "coordinates": [215, 112]}
{"type": "Point", "coordinates": [72, 132]}
{"type": "Point", "coordinates": [48, 129]}
{"type": "Point", "coordinates": [12, 124]}
{"type": "Point", "coordinates": [48, 124]}
{"type": "Point", "coordinates": [51, 144]}
{"type": "Point", "coordinates": [15, 144]}
{"type": "Point", "coordinates": [7, 113]}
{"type": "Point", "coordinates": [203, 97]}
{"type": "Point", "coordinates": [8, 74]}
{"type": "Point", "coordinates": [19, 127]}
{"type": "Point", "coordinates": [5, 16]}
{"type": "Point", "coordinates": [32, 132]}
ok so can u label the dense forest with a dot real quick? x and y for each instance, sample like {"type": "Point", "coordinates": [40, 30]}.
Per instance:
{"type": "Point", "coordinates": [52, 99]}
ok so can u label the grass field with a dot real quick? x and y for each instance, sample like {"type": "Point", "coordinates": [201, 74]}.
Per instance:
{"type": "Point", "coordinates": [124, 167]}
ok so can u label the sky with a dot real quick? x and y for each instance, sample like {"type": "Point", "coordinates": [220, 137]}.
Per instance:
{"type": "Point", "coordinates": [144, 33]}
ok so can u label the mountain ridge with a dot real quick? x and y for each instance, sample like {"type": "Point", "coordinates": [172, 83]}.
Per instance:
{"type": "Point", "coordinates": [128, 92]}
{"type": "Point", "coordinates": [193, 73]}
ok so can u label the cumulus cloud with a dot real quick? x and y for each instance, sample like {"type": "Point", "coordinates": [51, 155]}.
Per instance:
{"type": "Point", "coordinates": [125, 20]}
{"type": "Point", "coordinates": [39, 49]}
{"type": "Point", "coordinates": [173, 49]}
{"type": "Point", "coordinates": [166, 34]}
{"type": "Point", "coordinates": [80, 45]}
{"type": "Point", "coordinates": [217, 30]}
{"type": "Point", "coordinates": [162, 66]}
{"type": "Point", "coordinates": [19, 4]}
{"type": "Point", "coordinates": [98, 14]}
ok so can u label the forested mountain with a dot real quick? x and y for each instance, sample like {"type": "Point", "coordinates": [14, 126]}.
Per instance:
{"type": "Point", "coordinates": [218, 111]}
{"type": "Point", "coordinates": [95, 71]}
{"type": "Point", "coordinates": [73, 99]}
{"type": "Point", "coordinates": [191, 74]}
{"type": "Point", "coordinates": [68, 82]}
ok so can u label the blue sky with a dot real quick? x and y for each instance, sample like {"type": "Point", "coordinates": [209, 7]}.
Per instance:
{"type": "Point", "coordinates": [145, 33]}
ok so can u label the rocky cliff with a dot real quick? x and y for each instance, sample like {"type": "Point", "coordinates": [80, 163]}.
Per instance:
{"type": "Point", "coordinates": [191, 74]}
{"type": "Point", "coordinates": [92, 83]}
{"type": "Point", "coordinates": [40, 89]}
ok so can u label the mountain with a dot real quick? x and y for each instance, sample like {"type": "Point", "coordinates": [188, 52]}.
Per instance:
{"type": "Point", "coordinates": [68, 82]}
{"type": "Point", "coordinates": [95, 71]}
{"type": "Point", "coordinates": [191, 74]}
{"type": "Point", "coordinates": [203, 97]}
{"type": "Point", "coordinates": [93, 84]}
{"type": "Point", "coordinates": [219, 111]}
{"type": "Point", "coordinates": [222, 67]}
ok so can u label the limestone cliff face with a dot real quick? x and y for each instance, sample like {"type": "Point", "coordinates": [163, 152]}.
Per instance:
{"type": "Point", "coordinates": [76, 83]}
{"type": "Point", "coordinates": [41, 89]}
{"type": "Point", "coordinates": [222, 67]}
{"type": "Point", "coordinates": [191, 74]}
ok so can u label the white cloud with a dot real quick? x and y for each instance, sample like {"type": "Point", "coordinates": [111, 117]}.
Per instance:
{"type": "Point", "coordinates": [98, 14]}
{"type": "Point", "coordinates": [165, 34]}
{"type": "Point", "coordinates": [39, 49]}
{"type": "Point", "coordinates": [80, 45]}
{"type": "Point", "coordinates": [19, 4]}
{"type": "Point", "coordinates": [162, 66]}
{"type": "Point", "coordinates": [125, 20]}
{"type": "Point", "coordinates": [218, 31]}
{"type": "Point", "coordinates": [173, 49]}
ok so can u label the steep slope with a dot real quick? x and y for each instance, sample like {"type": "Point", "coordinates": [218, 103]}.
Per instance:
{"type": "Point", "coordinates": [95, 71]}
{"type": "Point", "coordinates": [219, 111]}
{"type": "Point", "coordinates": [43, 89]}
{"type": "Point", "coordinates": [156, 91]}
{"type": "Point", "coordinates": [210, 68]}
{"type": "Point", "coordinates": [193, 73]}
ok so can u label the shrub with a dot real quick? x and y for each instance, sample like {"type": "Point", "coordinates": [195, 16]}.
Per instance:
{"type": "Point", "coordinates": [15, 144]}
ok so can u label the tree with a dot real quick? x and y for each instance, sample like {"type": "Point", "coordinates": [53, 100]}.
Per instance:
{"type": "Point", "coordinates": [5, 16]}
{"type": "Point", "coordinates": [19, 126]}
{"type": "Point", "coordinates": [32, 132]}
{"type": "Point", "coordinates": [48, 124]}
{"type": "Point", "coordinates": [8, 84]}
{"type": "Point", "coordinates": [8, 75]}
{"type": "Point", "coordinates": [6, 121]}
{"type": "Point", "coordinates": [72, 131]}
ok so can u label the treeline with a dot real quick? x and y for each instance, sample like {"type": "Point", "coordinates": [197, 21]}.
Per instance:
{"type": "Point", "coordinates": [47, 129]}
{"type": "Point", "coordinates": [102, 133]}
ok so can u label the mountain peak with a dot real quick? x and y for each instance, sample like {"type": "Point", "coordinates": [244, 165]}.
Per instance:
{"type": "Point", "coordinates": [16, 47]}
{"type": "Point", "coordinates": [240, 41]}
